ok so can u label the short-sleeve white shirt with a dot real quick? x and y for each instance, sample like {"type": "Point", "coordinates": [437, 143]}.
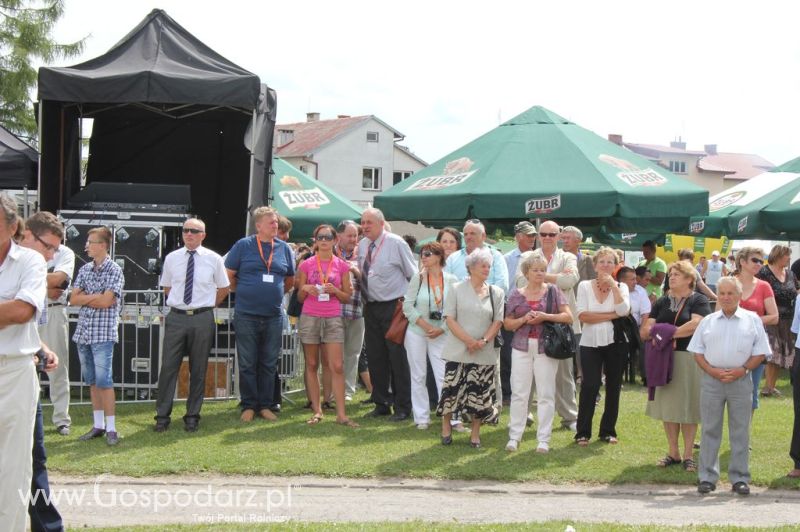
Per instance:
{"type": "Point", "coordinates": [209, 275]}
{"type": "Point", "coordinates": [729, 342]}
{"type": "Point", "coordinates": [23, 276]}
{"type": "Point", "coordinates": [63, 261]}
{"type": "Point", "coordinates": [640, 303]}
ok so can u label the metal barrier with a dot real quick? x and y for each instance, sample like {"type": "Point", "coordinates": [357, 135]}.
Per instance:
{"type": "Point", "coordinates": [139, 352]}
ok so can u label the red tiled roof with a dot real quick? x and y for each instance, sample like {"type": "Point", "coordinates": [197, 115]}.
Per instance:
{"type": "Point", "coordinates": [309, 136]}
{"type": "Point", "coordinates": [738, 166]}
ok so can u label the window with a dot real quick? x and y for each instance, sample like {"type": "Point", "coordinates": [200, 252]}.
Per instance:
{"type": "Point", "coordinates": [304, 168]}
{"type": "Point", "coordinates": [372, 136]}
{"type": "Point", "coordinates": [399, 176]}
{"type": "Point", "coordinates": [678, 167]}
{"type": "Point", "coordinates": [371, 179]}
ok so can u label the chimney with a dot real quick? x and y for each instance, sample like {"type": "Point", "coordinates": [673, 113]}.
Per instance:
{"type": "Point", "coordinates": [342, 116]}
{"type": "Point", "coordinates": [711, 149]}
{"type": "Point", "coordinates": [678, 144]}
{"type": "Point", "coordinates": [615, 138]}
{"type": "Point", "coordinates": [312, 117]}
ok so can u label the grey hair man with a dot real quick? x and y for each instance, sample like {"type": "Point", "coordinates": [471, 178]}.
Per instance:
{"type": "Point", "coordinates": [562, 271]}
{"type": "Point", "coordinates": [728, 344]}
{"type": "Point", "coordinates": [352, 314]}
{"type": "Point", "coordinates": [474, 238]}
{"type": "Point", "coordinates": [386, 266]}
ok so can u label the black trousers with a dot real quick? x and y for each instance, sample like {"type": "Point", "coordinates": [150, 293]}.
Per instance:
{"type": "Point", "coordinates": [44, 516]}
{"type": "Point", "coordinates": [611, 358]}
{"type": "Point", "coordinates": [184, 335]}
{"type": "Point", "coordinates": [794, 450]}
{"type": "Point", "coordinates": [505, 363]}
{"type": "Point", "coordinates": [388, 365]}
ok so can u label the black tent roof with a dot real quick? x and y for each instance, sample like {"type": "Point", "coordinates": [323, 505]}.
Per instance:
{"type": "Point", "coordinates": [157, 62]}
{"type": "Point", "coordinates": [18, 162]}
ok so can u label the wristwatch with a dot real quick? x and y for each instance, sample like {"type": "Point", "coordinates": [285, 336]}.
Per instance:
{"type": "Point", "coordinates": [746, 371]}
{"type": "Point", "coordinates": [485, 341]}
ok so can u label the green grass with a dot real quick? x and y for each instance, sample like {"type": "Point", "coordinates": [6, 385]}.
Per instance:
{"type": "Point", "coordinates": [415, 526]}
{"type": "Point", "coordinates": [383, 449]}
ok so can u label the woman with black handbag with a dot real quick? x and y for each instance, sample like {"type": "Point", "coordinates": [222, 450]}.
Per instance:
{"type": "Point", "coordinates": [601, 301]}
{"type": "Point", "coordinates": [526, 313]}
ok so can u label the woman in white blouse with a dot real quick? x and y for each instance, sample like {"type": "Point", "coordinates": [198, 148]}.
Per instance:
{"type": "Point", "coordinates": [599, 302]}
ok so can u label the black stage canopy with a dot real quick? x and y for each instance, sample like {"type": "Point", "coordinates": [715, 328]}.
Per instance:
{"type": "Point", "coordinates": [166, 109]}
{"type": "Point", "coordinates": [18, 162]}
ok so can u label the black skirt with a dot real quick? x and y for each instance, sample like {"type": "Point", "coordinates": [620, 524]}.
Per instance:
{"type": "Point", "coordinates": [468, 389]}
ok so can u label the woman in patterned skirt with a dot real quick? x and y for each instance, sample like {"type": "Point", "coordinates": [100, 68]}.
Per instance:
{"type": "Point", "coordinates": [474, 314]}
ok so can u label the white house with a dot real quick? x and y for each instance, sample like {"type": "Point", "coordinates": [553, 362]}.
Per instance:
{"type": "Point", "coordinates": [358, 156]}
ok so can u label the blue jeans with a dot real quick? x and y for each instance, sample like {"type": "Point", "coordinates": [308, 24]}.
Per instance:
{"type": "Point", "coordinates": [757, 374]}
{"type": "Point", "coordinates": [258, 344]}
{"type": "Point", "coordinates": [43, 516]}
{"type": "Point", "coordinates": [96, 363]}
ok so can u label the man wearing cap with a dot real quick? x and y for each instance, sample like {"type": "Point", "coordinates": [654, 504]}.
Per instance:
{"type": "Point", "coordinates": [713, 270]}
{"type": "Point", "coordinates": [562, 271]}
{"type": "Point", "coordinates": [525, 235]}
{"type": "Point", "coordinates": [194, 281]}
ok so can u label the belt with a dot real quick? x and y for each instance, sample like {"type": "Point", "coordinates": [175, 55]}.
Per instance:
{"type": "Point", "coordinates": [191, 312]}
{"type": "Point", "coordinates": [55, 305]}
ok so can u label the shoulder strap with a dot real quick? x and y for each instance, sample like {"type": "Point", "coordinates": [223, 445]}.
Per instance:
{"type": "Point", "coordinates": [550, 299]}
{"type": "Point", "coordinates": [491, 300]}
{"type": "Point", "coordinates": [419, 288]}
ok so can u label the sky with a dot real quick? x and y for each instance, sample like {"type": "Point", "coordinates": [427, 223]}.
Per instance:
{"type": "Point", "coordinates": [443, 72]}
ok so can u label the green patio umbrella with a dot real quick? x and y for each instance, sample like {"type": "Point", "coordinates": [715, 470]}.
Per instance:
{"type": "Point", "coordinates": [764, 206]}
{"type": "Point", "coordinates": [540, 165]}
{"type": "Point", "coordinates": [307, 202]}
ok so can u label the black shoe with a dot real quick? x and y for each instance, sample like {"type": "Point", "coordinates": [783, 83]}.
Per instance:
{"type": "Point", "coordinates": [378, 411]}
{"type": "Point", "coordinates": [191, 425]}
{"type": "Point", "coordinates": [161, 426]}
{"type": "Point", "coordinates": [447, 440]}
{"type": "Point", "coordinates": [741, 488]}
{"type": "Point", "coordinates": [706, 487]}
{"type": "Point", "coordinates": [94, 433]}
{"type": "Point", "coordinates": [368, 401]}
{"type": "Point", "coordinates": [276, 408]}
{"type": "Point", "coordinates": [327, 405]}
{"type": "Point", "coordinates": [475, 444]}
{"type": "Point", "coordinates": [399, 416]}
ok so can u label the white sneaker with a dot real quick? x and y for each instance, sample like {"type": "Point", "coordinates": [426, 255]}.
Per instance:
{"type": "Point", "coordinates": [422, 426]}
{"type": "Point", "coordinates": [512, 446]}
{"type": "Point", "coordinates": [573, 427]}
{"type": "Point", "coordinates": [348, 398]}
{"type": "Point", "coordinates": [529, 421]}
{"type": "Point", "coordinates": [460, 428]}
{"type": "Point", "coordinates": [542, 448]}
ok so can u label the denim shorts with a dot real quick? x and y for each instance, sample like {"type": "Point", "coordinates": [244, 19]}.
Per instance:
{"type": "Point", "coordinates": [96, 364]}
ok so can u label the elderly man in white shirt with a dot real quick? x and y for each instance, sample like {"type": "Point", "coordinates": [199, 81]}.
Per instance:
{"type": "Point", "coordinates": [728, 345]}
{"type": "Point", "coordinates": [194, 281]}
{"type": "Point", "coordinates": [23, 289]}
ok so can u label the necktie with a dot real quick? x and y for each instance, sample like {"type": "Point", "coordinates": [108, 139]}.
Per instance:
{"type": "Point", "coordinates": [187, 288]}
{"type": "Point", "coordinates": [365, 273]}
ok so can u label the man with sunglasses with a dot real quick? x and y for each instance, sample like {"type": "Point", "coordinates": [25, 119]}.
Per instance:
{"type": "Point", "coordinates": [194, 281]}
{"type": "Point", "coordinates": [562, 271]}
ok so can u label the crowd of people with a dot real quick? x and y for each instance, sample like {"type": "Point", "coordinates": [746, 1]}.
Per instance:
{"type": "Point", "coordinates": [478, 334]}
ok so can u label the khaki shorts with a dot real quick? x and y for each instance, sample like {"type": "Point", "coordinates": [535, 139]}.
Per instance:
{"type": "Point", "coordinates": [315, 330]}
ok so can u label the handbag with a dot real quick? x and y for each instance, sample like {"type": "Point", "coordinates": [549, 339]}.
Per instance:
{"type": "Point", "coordinates": [294, 308]}
{"type": "Point", "coordinates": [498, 339]}
{"type": "Point", "coordinates": [399, 325]}
{"type": "Point", "coordinates": [558, 339]}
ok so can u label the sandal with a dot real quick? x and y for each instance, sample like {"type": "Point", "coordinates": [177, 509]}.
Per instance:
{"type": "Point", "coordinates": [668, 461]}
{"type": "Point", "coordinates": [612, 440]}
{"type": "Point", "coordinates": [348, 423]}
{"type": "Point", "coordinates": [314, 420]}
{"type": "Point", "coordinates": [327, 405]}
{"type": "Point", "coordinates": [689, 465]}
{"type": "Point", "coordinates": [582, 441]}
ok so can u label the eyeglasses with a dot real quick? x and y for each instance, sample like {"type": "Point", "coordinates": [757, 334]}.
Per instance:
{"type": "Point", "coordinates": [756, 260]}
{"type": "Point", "coordinates": [193, 231]}
{"type": "Point", "coordinates": [322, 238]}
{"type": "Point", "coordinates": [428, 253]}
{"type": "Point", "coordinates": [48, 247]}
{"type": "Point", "coordinates": [548, 235]}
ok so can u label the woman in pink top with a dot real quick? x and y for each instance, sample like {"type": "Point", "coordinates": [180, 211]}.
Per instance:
{"type": "Point", "coordinates": [324, 284]}
{"type": "Point", "coordinates": [757, 296]}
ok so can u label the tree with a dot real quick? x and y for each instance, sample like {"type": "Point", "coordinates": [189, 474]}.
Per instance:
{"type": "Point", "coordinates": [25, 27]}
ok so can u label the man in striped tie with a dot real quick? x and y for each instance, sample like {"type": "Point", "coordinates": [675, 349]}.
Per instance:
{"type": "Point", "coordinates": [194, 282]}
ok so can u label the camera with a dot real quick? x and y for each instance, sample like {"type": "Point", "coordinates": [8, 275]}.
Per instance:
{"type": "Point", "coordinates": [435, 315]}
{"type": "Point", "coordinates": [41, 361]}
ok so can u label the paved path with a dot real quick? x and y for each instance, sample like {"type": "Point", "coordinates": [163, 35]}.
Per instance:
{"type": "Point", "coordinates": [111, 500]}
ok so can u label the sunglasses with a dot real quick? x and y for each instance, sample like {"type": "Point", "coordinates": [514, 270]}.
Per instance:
{"type": "Point", "coordinates": [193, 231]}
{"type": "Point", "coordinates": [47, 246]}
{"type": "Point", "coordinates": [428, 253]}
{"type": "Point", "coordinates": [549, 235]}
{"type": "Point", "coordinates": [473, 221]}
{"type": "Point", "coordinates": [756, 260]}
{"type": "Point", "coordinates": [322, 238]}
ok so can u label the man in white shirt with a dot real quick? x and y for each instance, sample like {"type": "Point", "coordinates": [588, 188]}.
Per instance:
{"type": "Point", "coordinates": [562, 271]}
{"type": "Point", "coordinates": [55, 333]}
{"type": "Point", "coordinates": [728, 345]}
{"type": "Point", "coordinates": [194, 281]}
{"type": "Point", "coordinates": [23, 289]}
